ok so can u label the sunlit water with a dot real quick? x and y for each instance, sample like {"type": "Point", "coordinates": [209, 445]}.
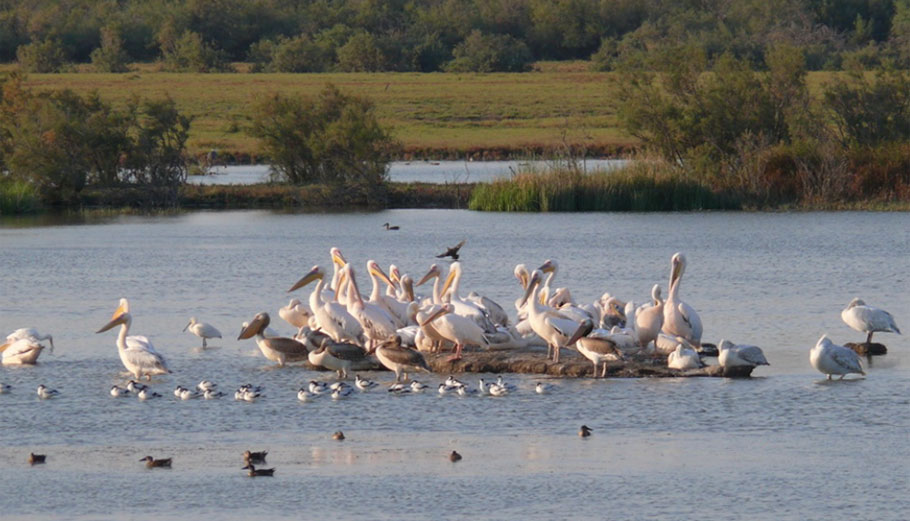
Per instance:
{"type": "Point", "coordinates": [440, 172]}
{"type": "Point", "coordinates": [782, 445]}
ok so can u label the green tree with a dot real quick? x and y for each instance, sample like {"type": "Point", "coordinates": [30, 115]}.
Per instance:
{"type": "Point", "coordinates": [361, 53]}
{"type": "Point", "coordinates": [111, 56]}
{"type": "Point", "coordinates": [870, 112]}
{"type": "Point", "coordinates": [189, 53]}
{"type": "Point", "coordinates": [157, 153]}
{"type": "Point", "coordinates": [333, 138]}
{"type": "Point", "coordinates": [490, 53]}
{"type": "Point", "coordinates": [41, 57]}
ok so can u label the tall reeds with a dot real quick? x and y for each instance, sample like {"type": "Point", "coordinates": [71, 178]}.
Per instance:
{"type": "Point", "coordinates": [17, 197]}
{"type": "Point", "coordinates": [641, 187]}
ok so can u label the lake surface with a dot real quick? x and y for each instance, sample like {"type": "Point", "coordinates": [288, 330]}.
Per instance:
{"type": "Point", "coordinates": [440, 172]}
{"type": "Point", "coordinates": [783, 445]}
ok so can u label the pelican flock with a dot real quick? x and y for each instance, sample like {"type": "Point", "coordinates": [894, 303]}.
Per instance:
{"type": "Point", "coordinates": [343, 330]}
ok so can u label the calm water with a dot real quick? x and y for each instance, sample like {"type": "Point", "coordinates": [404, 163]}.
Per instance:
{"type": "Point", "coordinates": [441, 172]}
{"type": "Point", "coordinates": [783, 445]}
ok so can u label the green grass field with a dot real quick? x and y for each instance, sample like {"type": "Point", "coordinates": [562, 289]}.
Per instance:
{"type": "Point", "coordinates": [434, 114]}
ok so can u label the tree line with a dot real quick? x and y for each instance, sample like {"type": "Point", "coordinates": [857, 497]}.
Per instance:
{"type": "Point", "coordinates": [444, 35]}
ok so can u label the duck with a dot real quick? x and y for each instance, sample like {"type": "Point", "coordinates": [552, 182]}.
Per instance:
{"type": "Point", "coordinates": [44, 393]}
{"type": "Point", "coordinates": [833, 359]}
{"type": "Point", "coordinates": [254, 472]}
{"type": "Point", "coordinates": [390, 227]}
{"type": "Point", "coordinates": [338, 436]}
{"type": "Point", "coordinates": [202, 330]}
{"type": "Point", "coordinates": [868, 319]}
{"type": "Point", "coordinates": [254, 457]}
{"type": "Point", "coordinates": [585, 431]}
{"type": "Point", "coordinates": [35, 459]}
{"type": "Point", "coordinates": [152, 463]}
{"type": "Point", "coordinates": [455, 456]}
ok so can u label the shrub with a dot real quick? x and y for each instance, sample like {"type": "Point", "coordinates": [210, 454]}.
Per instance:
{"type": "Point", "coordinates": [111, 56]}
{"type": "Point", "coordinates": [189, 53]}
{"type": "Point", "coordinates": [490, 53]}
{"type": "Point", "coordinates": [41, 57]}
{"type": "Point", "coordinates": [361, 53]}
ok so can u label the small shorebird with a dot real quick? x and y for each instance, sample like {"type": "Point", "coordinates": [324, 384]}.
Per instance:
{"type": "Point", "coordinates": [118, 392]}
{"type": "Point", "coordinates": [363, 384]}
{"type": "Point", "coordinates": [44, 393]}
{"type": "Point", "coordinates": [145, 393]}
{"type": "Point", "coordinates": [542, 388]}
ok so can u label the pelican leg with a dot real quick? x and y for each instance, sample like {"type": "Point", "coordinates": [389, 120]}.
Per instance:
{"type": "Point", "coordinates": [595, 370]}
{"type": "Point", "coordinates": [457, 355]}
{"type": "Point", "coordinates": [869, 338]}
{"type": "Point", "coordinates": [556, 353]}
{"type": "Point", "coordinates": [203, 343]}
{"type": "Point", "coordinates": [829, 377]}
{"type": "Point", "coordinates": [604, 373]}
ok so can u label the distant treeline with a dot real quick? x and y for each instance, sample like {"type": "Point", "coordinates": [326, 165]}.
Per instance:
{"type": "Point", "coordinates": [436, 35]}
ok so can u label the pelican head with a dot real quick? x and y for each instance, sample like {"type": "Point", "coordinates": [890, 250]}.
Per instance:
{"type": "Point", "coordinates": [454, 273]}
{"type": "Point", "coordinates": [256, 326]}
{"type": "Point", "coordinates": [120, 316]}
{"type": "Point", "coordinates": [353, 290]}
{"type": "Point", "coordinates": [824, 341]}
{"type": "Point", "coordinates": [535, 280]}
{"type": "Point", "coordinates": [549, 266]}
{"type": "Point", "coordinates": [434, 272]}
{"type": "Point", "coordinates": [677, 267]}
{"type": "Point", "coordinates": [315, 273]}
{"type": "Point", "coordinates": [655, 294]}
{"type": "Point", "coordinates": [337, 257]}
{"type": "Point", "coordinates": [724, 344]}
{"type": "Point", "coordinates": [447, 308]}
{"type": "Point", "coordinates": [855, 302]}
{"type": "Point", "coordinates": [522, 274]}
{"type": "Point", "coordinates": [374, 268]}
{"type": "Point", "coordinates": [394, 273]}
{"type": "Point", "coordinates": [191, 322]}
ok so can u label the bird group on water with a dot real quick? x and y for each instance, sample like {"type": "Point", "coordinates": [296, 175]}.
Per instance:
{"type": "Point", "coordinates": [344, 330]}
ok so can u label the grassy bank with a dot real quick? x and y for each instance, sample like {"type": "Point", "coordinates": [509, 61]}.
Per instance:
{"type": "Point", "coordinates": [18, 197]}
{"type": "Point", "coordinates": [636, 189]}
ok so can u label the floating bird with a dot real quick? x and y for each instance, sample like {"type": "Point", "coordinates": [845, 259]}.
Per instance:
{"type": "Point", "coordinates": [134, 387]}
{"type": "Point", "coordinates": [211, 394]}
{"type": "Point", "coordinates": [254, 472]}
{"type": "Point", "coordinates": [303, 395]}
{"type": "Point", "coordinates": [400, 388]}
{"type": "Point", "coordinates": [400, 359]}
{"type": "Point", "coordinates": [830, 358]}
{"type": "Point", "coordinates": [277, 349]}
{"type": "Point", "coordinates": [188, 394]}
{"type": "Point", "coordinates": [497, 390]}
{"type": "Point", "coordinates": [145, 394]}
{"type": "Point", "coordinates": [733, 355]}
{"type": "Point", "coordinates": [418, 387]}
{"type": "Point", "coordinates": [387, 227]}
{"type": "Point", "coordinates": [683, 359]}
{"type": "Point", "coordinates": [342, 392]}
{"type": "Point", "coordinates": [465, 391]}
{"type": "Point", "coordinates": [542, 388]}
{"type": "Point", "coordinates": [23, 346]}
{"type": "Point", "coordinates": [202, 330]}
{"type": "Point", "coordinates": [868, 319]}
{"type": "Point", "coordinates": [206, 385]}
{"type": "Point", "coordinates": [136, 352]}
{"type": "Point", "coordinates": [254, 457]}
{"type": "Point", "coordinates": [363, 384]}
{"type": "Point", "coordinates": [44, 393]}
{"type": "Point", "coordinates": [35, 459]}
{"type": "Point", "coordinates": [317, 388]}
{"type": "Point", "coordinates": [584, 431]}
{"type": "Point", "coordinates": [453, 251]}
{"type": "Point", "coordinates": [338, 436]}
{"type": "Point", "coordinates": [5, 388]}
{"type": "Point", "coordinates": [508, 386]}
{"type": "Point", "coordinates": [679, 317]}
{"type": "Point", "coordinates": [152, 463]}
{"type": "Point", "coordinates": [117, 391]}
{"type": "Point", "coordinates": [454, 456]}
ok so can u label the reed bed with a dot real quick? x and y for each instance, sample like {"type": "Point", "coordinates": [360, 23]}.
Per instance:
{"type": "Point", "coordinates": [18, 197]}
{"type": "Point", "coordinates": [637, 188]}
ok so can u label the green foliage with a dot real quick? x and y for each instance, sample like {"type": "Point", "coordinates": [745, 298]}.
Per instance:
{"type": "Point", "coordinates": [189, 53]}
{"type": "Point", "coordinates": [111, 56]}
{"type": "Point", "coordinates": [871, 111]}
{"type": "Point", "coordinates": [41, 57]}
{"type": "Point", "coordinates": [333, 138]}
{"type": "Point", "coordinates": [361, 53]}
{"type": "Point", "coordinates": [490, 53]}
{"type": "Point", "coordinates": [17, 196]}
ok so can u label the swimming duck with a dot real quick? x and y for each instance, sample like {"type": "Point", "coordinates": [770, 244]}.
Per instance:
{"type": "Point", "coordinates": [454, 456]}
{"type": "Point", "coordinates": [44, 393]}
{"type": "Point", "coordinates": [254, 457]}
{"type": "Point", "coordinates": [151, 462]}
{"type": "Point", "coordinates": [254, 472]}
{"type": "Point", "coordinates": [338, 436]}
{"type": "Point", "coordinates": [34, 459]}
{"type": "Point", "coordinates": [584, 431]}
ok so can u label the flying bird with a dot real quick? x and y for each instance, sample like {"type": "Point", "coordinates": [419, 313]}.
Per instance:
{"type": "Point", "coordinates": [453, 251]}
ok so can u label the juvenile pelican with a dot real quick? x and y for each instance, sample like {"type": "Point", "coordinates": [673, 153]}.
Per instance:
{"type": "Point", "coordinates": [400, 359]}
{"type": "Point", "coordinates": [457, 329]}
{"type": "Point", "coordinates": [23, 351]}
{"type": "Point", "coordinates": [555, 329]}
{"type": "Point", "coordinates": [597, 350]}
{"type": "Point", "coordinates": [295, 314]}
{"type": "Point", "coordinates": [276, 349]}
{"type": "Point", "coordinates": [337, 356]}
{"type": "Point", "coordinates": [331, 317]}
{"type": "Point", "coordinates": [136, 352]}
{"type": "Point", "coordinates": [202, 330]}
{"type": "Point", "coordinates": [680, 318]}
{"type": "Point", "coordinates": [830, 358]}
{"type": "Point", "coordinates": [868, 319]}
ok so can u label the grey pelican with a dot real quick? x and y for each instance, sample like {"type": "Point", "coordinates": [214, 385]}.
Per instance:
{"type": "Point", "coordinates": [337, 356]}
{"type": "Point", "coordinates": [830, 358]}
{"type": "Point", "coordinates": [136, 352]}
{"type": "Point", "coordinates": [680, 318]}
{"type": "Point", "coordinates": [596, 349]}
{"type": "Point", "coordinates": [400, 359]}
{"type": "Point", "coordinates": [868, 319]}
{"type": "Point", "coordinates": [277, 349]}
{"type": "Point", "coordinates": [202, 330]}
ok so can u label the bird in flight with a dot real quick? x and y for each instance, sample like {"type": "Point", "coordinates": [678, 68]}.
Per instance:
{"type": "Point", "coordinates": [453, 251]}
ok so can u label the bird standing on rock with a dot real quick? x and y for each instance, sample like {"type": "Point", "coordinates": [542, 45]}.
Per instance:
{"type": "Point", "coordinates": [868, 319]}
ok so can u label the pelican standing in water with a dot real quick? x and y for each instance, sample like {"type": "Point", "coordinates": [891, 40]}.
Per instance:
{"type": "Point", "coordinates": [136, 352]}
{"type": "Point", "coordinates": [680, 319]}
{"type": "Point", "coordinates": [868, 319]}
{"type": "Point", "coordinates": [830, 358]}
{"type": "Point", "coordinates": [394, 357]}
{"type": "Point", "coordinates": [202, 330]}
{"type": "Point", "coordinates": [277, 349]}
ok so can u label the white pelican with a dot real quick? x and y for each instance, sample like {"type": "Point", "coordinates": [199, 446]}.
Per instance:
{"type": "Point", "coordinates": [490, 308]}
{"type": "Point", "coordinates": [397, 310]}
{"type": "Point", "coordinates": [868, 319]}
{"type": "Point", "coordinates": [830, 358]}
{"type": "Point", "coordinates": [449, 293]}
{"type": "Point", "coordinates": [733, 355]}
{"type": "Point", "coordinates": [136, 352]}
{"type": "Point", "coordinates": [400, 359]}
{"type": "Point", "coordinates": [202, 330]}
{"type": "Point", "coordinates": [337, 356]}
{"type": "Point", "coordinates": [555, 329]}
{"type": "Point", "coordinates": [23, 351]}
{"type": "Point", "coordinates": [554, 296]}
{"type": "Point", "coordinates": [649, 318]}
{"type": "Point", "coordinates": [376, 323]}
{"type": "Point", "coordinates": [331, 316]}
{"type": "Point", "coordinates": [680, 318]}
{"type": "Point", "coordinates": [277, 349]}
{"type": "Point", "coordinates": [30, 332]}
{"type": "Point", "coordinates": [683, 358]}
{"type": "Point", "coordinates": [457, 329]}
{"type": "Point", "coordinates": [295, 314]}
{"type": "Point", "coordinates": [613, 313]}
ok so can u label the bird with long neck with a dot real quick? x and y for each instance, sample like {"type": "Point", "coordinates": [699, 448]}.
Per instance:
{"type": "Point", "coordinates": [136, 352]}
{"type": "Point", "coordinates": [458, 329]}
{"type": "Point", "coordinates": [376, 323]}
{"type": "Point", "coordinates": [649, 318]}
{"type": "Point", "coordinates": [390, 305]}
{"type": "Point", "coordinates": [331, 317]}
{"type": "Point", "coordinates": [680, 319]}
{"type": "Point", "coordinates": [276, 349]}
{"type": "Point", "coordinates": [449, 293]}
{"type": "Point", "coordinates": [557, 330]}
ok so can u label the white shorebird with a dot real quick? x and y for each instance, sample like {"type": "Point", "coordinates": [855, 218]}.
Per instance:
{"type": "Point", "coordinates": [497, 390]}
{"type": "Point", "coordinates": [734, 355]}
{"type": "Point", "coordinates": [542, 388]}
{"type": "Point", "coordinates": [342, 392]}
{"type": "Point", "coordinates": [363, 384]}
{"type": "Point", "coordinates": [118, 392]}
{"type": "Point", "coordinates": [211, 394]}
{"type": "Point", "coordinates": [145, 394]}
{"type": "Point", "coordinates": [418, 387]}
{"type": "Point", "coordinates": [44, 393]}
{"type": "Point", "coordinates": [206, 385]}
{"type": "Point", "coordinates": [134, 387]}
{"type": "Point", "coordinates": [868, 319]}
{"type": "Point", "coordinates": [136, 352]}
{"type": "Point", "coordinates": [202, 330]}
{"type": "Point", "coordinates": [832, 359]}
{"type": "Point", "coordinates": [304, 396]}
{"type": "Point", "coordinates": [317, 388]}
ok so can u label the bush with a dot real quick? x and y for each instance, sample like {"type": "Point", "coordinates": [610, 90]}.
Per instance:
{"type": "Point", "coordinates": [111, 56]}
{"type": "Point", "coordinates": [361, 53]}
{"type": "Point", "coordinates": [41, 57]}
{"type": "Point", "coordinates": [189, 53]}
{"type": "Point", "coordinates": [300, 54]}
{"type": "Point", "coordinates": [490, 53]}
{"type": "Point", "coordinates": [332, 138]}
{"type": "Point", "coordinates": [870, 112]}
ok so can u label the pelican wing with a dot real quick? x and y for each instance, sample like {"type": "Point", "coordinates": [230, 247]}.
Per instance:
{"type": "Point", "coordinates": [345, 351]}
{"type": "Point", "coordinates": [405, 356]}
{"type": "Point", "coordinates": [140, 352]}
{"type": "Point", "coordinates": [752, 355]}
{"type": "Point", "coordinates": [847, 359]}
{"type": "Point", "coordinates": [564, 326]}
{"type": "Point", "coordinates": [288, 346]}
{"type": "Point", "coordinates": [21, 347]}
{"type": "Point", "coordinates": [875, 319]}
{"type": "Point", "coordinates": [601, 346]}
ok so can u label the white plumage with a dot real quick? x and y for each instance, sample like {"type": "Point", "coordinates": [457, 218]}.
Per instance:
{"type": "Point", "coordinates": [868, 319]}
{"type": "Point", "coordinates": [832, 359]}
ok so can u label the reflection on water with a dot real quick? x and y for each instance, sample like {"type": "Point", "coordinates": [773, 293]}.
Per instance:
{"type": "Point", "coordinates": [773, 447]}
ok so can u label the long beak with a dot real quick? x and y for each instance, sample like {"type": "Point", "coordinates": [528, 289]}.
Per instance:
{"type": "Point", "coordinates": [436, 314]}
{"type": "Point", "coordinates": [583, 329]}
{"type": "Point", "coordinates": [523, 280]}
{"type": "Point", "coordinates": [187, 325]}
{"type": "Point", "coordinates": [258, 324]}
{"type": "Point", "coordinates": [408, 290]}
{"type": "Point", "coordinates": [434, 272]}
{"type": "Point", "coordinates": [4, 346]}
{"type": "Point", "coordinates": [51, 340]}
{"type": "Point", "coordinates": [309, 277]}
{"type": "Point", "coordinates": [118, 319]}
{"type": "Point", "coordinates": [381, 274]}
{"type": "Point", "coordinates": [339, 259]}
{"type": "Point", "coordinates": [448, 284]}
{"type": "Point", "coordinates": [546, 267]}
{"type": "Point", "coordinates": [354, 287]}
{"type": "Point", "coordinates": [530, 289]}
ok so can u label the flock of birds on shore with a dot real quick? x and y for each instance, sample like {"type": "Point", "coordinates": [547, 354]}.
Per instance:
{"type": "Point", "coordinates": [343, 330]}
